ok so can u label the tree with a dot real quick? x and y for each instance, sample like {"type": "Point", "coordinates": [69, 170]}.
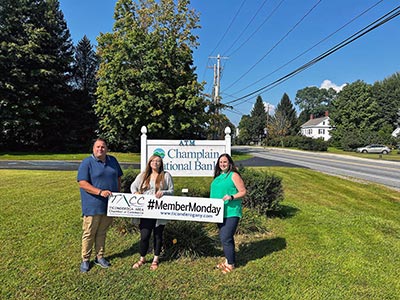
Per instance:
{"type": "Point", "coordinates": [244, 136]}
{"type": "Point", "coordinates": [258, 117]}
{"type": "Point", "coordinates": [387, 94]}
{"type": "Point", "coordinates": [356, 113]}
{"type": "Point", "coordinates": [35, 58]}
{"type": "Point", "coordinates": [286, 110]}
{"type": "Point", "coordinates": [279, 125]}
{"type": "Point", "coordinates": [314, 100]}
{"type": "Point", "coordinates": [85, 66]}
{"type": "Point", "coordinates": [218, 121]}
{"type": "Point", "coordinates": [81, 116]}
{"type": "Point", "coordinates": [146, 74]}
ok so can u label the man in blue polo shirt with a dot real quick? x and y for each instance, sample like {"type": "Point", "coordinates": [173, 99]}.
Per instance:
{"type": "Point", "coordinates": [98, 176]}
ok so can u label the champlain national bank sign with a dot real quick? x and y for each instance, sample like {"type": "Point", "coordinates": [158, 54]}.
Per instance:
{"type": "Point", "coordinates": [181, 158]}
{"type": "Point", "coordinates": [185, 157]}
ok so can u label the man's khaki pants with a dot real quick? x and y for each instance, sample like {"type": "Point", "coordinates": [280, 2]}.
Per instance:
{"type": "Point", "coordinates": [94, 232]}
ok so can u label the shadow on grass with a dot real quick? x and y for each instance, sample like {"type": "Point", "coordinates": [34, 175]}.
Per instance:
{"type": "Point", "coordinates": [133, 250]}
{"type": "Point", "coordinates": [259, 249]}
{"type": "Point", "coordinates": [284, 213]}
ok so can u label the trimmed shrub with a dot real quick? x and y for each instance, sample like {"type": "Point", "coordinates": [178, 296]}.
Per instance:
{"type": "Point", "coordinates": [127, 179]}
{"type": "Point", "coordinates": [307, 143]}
{"type": "Point", "coordinates": [252, 222]}
{"type": "Point", "coordinates": [301, 142]}
{"type": "Point", "coordinates": [187, 239]}
{"type": "Point", "coordinates": [264, 190]}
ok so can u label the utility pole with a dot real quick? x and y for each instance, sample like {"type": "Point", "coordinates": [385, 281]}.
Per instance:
{"type": "Point", "coordinates": [217, 81]}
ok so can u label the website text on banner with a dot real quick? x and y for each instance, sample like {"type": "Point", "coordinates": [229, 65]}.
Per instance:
{"type": "Point", "coordinates": [166, 207]}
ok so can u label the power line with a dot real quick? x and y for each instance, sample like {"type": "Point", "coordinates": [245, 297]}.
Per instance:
{"type": "Point", "coordinates": [258, 28]}
{"type": "Point", "coordinates": [281, 40]}
{"type": "Point", "coordinates": [312, 47]}
{"type": "Point", "coordinates": [229, 26]}
{"type": "Point", "coordinates": [377, 23]}
{"type": "Point", "coordinates": [248, 24]}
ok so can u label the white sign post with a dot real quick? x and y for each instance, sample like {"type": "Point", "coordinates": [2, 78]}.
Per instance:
{"type": "Point", "coordinates": [166, 207]}
{"type": "Point", "coordinates": [185, 157]}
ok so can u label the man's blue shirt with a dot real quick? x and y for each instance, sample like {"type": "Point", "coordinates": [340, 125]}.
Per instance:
{"type": "Point", "coordinates": [101, 175]}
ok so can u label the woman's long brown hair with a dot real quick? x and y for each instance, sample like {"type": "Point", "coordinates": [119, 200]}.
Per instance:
{"type": "Point", "coordinates": [147, 174]}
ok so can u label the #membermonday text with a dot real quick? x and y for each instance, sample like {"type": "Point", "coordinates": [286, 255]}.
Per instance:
{"type": "Point", "coordinates": [192, 207]}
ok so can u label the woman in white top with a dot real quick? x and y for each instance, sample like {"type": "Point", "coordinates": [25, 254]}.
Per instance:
{"type": "Point", "coordinates": [153, 181]}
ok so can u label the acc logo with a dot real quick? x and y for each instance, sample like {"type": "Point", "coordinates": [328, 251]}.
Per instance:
{"type": "Point", "coordinates": [129, 199]}
{"type": "Point", "coordinates": [160, 152]}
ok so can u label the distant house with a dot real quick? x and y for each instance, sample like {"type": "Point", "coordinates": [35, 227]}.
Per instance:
{"type": "Point", "coordinates": [396, 132]}
{"type": "Point", "coordinates": [317, 127]}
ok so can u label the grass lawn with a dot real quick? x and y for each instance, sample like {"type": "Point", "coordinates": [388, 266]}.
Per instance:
{"type": "Point", "coordinates": [335, 239]}
{"type": "Point", "coordinates": [122, 157]}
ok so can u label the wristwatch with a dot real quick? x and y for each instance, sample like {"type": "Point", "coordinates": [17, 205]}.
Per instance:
{"type": "Point", "coordinates": [232, 198]}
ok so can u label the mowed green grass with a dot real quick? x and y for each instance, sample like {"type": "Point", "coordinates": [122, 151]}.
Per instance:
{"type": "Point", "coordinates": [334, 239]}
{"type": "Point", "coordinates": [122, 157]}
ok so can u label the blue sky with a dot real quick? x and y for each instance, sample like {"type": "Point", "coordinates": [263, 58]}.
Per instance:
{"type": "Point", "coordinates": [259, 41]}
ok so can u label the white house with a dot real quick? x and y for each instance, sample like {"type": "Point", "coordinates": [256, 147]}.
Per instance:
{"type": "Point", "coordinates": [317, 127]}
{"type": "Point", "coordinates": [396, 132]}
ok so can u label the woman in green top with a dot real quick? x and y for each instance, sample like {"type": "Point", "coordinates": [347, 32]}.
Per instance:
{"type": "Point", "coordinates": [228, 185]}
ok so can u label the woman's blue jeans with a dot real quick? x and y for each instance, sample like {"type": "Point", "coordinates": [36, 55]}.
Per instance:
{"type": "Point", "coordinates": [227, 230]}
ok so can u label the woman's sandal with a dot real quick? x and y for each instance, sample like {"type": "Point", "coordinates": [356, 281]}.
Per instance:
{"type": "Point", "coordinates": [154, 265]}
{"type": "Point", "coordinates": [138, 264]}
{"type": "Point", "coordinates": [227, 269]}
{"type": "Point", "coordinates": [220, 266]}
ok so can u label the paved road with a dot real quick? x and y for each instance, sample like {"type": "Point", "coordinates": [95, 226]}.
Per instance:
{"type": "Point", "coordinates": [382, 172]}
{"type": "Point", "coordinates": [58, 165]}
{"type": "Point", "coordinates": [374, 170]}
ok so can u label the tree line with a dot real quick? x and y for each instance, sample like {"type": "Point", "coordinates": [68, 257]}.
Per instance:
{"type": "Point", "coordinates": [57, 96]}
{"type": "Point", "coordinates": [360, 114]}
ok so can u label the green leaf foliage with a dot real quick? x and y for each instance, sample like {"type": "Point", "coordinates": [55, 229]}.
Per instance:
{"type": "Point", "coordinates": [287, 110]}
{"type": "Point", "coordinates": [35, 58]}
{"type": "Point", "coordinates": [315, 100]}
{"type": "Point", "coordinates": [355, 113]}
{"type": "Point", "coordinates": [264, 190]}
{"type": "Point", "coordinates": [146, 75]}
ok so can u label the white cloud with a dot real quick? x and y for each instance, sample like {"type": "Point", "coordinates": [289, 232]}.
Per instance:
{"type": "Point", "coordinates": [269, 108]}
{"type": "Point", "coordinates": [327, 84]}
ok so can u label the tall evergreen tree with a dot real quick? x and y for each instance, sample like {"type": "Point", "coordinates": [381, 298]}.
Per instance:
{"type": "Point", "coordinates": [81, 116]}
{"type": "Point", "coordinates": [85, 67]}
{"type": "Point", "coordinates": [146, 74]}
{"type": "Point", "coordinates": [35, 58]}
{"type": "Point", "coordinates": [258, 117]}
{"type": "Point", "coordinates": [287, 110]}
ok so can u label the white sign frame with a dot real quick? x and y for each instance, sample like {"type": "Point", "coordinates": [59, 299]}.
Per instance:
{"type": "Point", "coordinates": [167, 207]}
{"type": "Point", "coordinates": [186, 158]}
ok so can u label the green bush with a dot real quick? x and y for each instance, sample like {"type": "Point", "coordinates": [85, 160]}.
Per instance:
{"type": "Point", "coordinates": [252, 222]}
{"type": "Point", "coordinates": [127, 179]}
{"type": "Point", "coordinates": [307, 143]}
{"type": "Point", "coordinates": [264, 190]}
{"type": "Point", "coordinates": [187, 239]}
{"type": "Point", "coordinates": [297, 141]}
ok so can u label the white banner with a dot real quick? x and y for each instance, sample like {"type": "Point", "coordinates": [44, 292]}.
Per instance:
{"type": "Point", "coordinates": [166, 207]}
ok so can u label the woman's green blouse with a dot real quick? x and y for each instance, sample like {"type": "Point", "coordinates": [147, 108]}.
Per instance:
{"type": "Point", "coordinates": [224, 185]}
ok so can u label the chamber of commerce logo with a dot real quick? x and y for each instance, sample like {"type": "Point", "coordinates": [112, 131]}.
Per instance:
{"type": "Point", "coordinates": [160, 152]}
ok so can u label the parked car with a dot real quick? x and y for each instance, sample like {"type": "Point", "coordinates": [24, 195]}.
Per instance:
{"type": "Point", "coordinates": [374, 148]}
